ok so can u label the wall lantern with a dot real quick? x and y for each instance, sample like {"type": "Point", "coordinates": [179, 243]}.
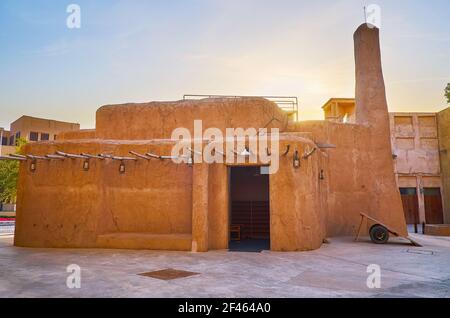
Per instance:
{"type": "Point", "coordinates": [33, 165]}
{"type": "Point", "coordinates": [122, 167]}
{"type": "Point", "coordinates": [86, 165]}
{"type": "Point", "coordinates": [296, 160]}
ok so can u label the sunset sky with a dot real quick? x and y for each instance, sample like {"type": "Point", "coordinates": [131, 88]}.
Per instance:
{"type": "Point", "coordinates": [143, 50]}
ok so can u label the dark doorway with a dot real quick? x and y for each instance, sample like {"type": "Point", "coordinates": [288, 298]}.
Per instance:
{"type": "Point", "coordinates": [249, 209]}
{"type": "Point", "coordinates": [410, 205]}
{"type": "Point", "coordinates": [433, 206]}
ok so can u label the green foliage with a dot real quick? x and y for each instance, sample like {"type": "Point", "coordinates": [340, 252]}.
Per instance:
{"type": "Point", "coordinates": [9, 173]}
{"type": "Point", "coordinates": [447, 93]}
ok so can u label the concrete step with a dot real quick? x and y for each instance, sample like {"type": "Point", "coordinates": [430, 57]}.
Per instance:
{"type": "Point", "coordinates": [145, 241]}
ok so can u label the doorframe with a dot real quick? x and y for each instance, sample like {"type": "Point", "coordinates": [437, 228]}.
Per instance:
{"type": "Point", "coordinates": [229, 168]}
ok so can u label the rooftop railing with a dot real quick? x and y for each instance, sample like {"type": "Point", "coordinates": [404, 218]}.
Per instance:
{"type": "Point", "coordinates": [287, 103]}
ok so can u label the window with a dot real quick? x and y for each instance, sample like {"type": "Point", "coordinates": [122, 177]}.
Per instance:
{"type": "Point", "coordinates": [408, 191]}
{"type": "Point", "coordinates": [4, 141]}
{"type": "Point", "coordinates": [11, 141]}
{"type": "Point", "coordinates": [17, 135]}
{"type": "Point", "coordinates": [34, 136]}
{"type": "Point", "coordinates": [45, 137]}
{"type": "Point", "coordinates": [54, 137]}
{"type": "Point", "coordinates": [435, 192]}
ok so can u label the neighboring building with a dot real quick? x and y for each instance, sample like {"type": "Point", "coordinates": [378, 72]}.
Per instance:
{"type": "Point", "coordinates": [38, 129]}
{"type": "Point", "coordinates": [33, 129]}
{"type": "Point", "coordinates": [415, 144]}
{"type": "Point", "coordinates": [340, 110]}
{"type": "Point", "coordinates": [5, 148]}
{"type": "Point", "coordinates": [415, 139]}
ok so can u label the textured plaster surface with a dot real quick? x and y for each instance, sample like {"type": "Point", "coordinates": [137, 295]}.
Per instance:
{"type": "Point", "coordinates": [415, 143]}
{"type": "Point", "coordinates": [158, 120]}
{"type": "Point", "coordinates": [335, 270]}
{"type": "Point", "coordinates": [372, 111]}
{"type": "Point", "coordinates": [444, 137]}
{"type": "Point", "coordinates": [156, 203]}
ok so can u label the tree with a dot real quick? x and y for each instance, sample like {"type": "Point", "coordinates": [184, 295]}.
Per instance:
{"type": "Point", "coordinates": [9, 173]}
{"type": "Point", "coordinates": [447, 93]}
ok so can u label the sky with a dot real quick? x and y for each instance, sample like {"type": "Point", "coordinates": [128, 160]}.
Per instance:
{"type": "Point", "coordinates": [148, 50]}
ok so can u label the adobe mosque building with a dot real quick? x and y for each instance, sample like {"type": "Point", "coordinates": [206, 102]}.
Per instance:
{"type": "Point", "coordinates": [115, 187]}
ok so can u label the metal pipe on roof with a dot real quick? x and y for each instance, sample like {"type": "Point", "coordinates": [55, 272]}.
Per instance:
{"type": "Point", "coordinates": [153, 155]}
{"type": "Point", "coordinates": [71, 156]}
{"type": "Point", "coordinates": [92, 156]}
{"type": "Point", "coordinates": [117, 158]}
{"type": "Point", "coordinates": [140, 155]}
{"type": "Point", "coordinates": [17, 156]}
{"type": "Point", "coordinates": [12, 158]}
{"type": "Point", "coordinates": [57, 157]}
{"type": "Point", "coordinates": [37, 157]}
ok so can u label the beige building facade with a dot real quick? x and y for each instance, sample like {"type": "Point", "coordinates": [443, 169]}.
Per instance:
{"type": "Point", "coordinates": [33, 129]}
{"type": "Point", "coordinates": [415, 146]}
{"type": "Point", "coordinates": [419, 147]}
{"type": "Point", "coordinates": [39, 129]}
{"type": "Point", "coordinates": [5, 148]}
{"type": "Point", "coordinates": [340, 110]}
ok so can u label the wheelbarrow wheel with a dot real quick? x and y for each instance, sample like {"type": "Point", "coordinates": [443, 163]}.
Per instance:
{"type": "Point", "coordinates": [379, 234]}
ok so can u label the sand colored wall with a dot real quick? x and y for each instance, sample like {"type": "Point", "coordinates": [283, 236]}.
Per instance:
{"type": "Point", "coordinates": [60, 205]}
{"type": "Point", "coordinates": [200, 208]}
{"type": "Point", "coordinates": [77, 134]}
{"type": "Point", "coordinates": [298, 212]}
{"type": "Point", "coordinates": [218, 206]}
{"type": "Point", "coordinates": [347, 176]}
{"type": "Point", "coordinates": [444, 147]}
{"type": "Point", "coordinates": [298, 199]}
{"type": "Point", "coordinates": [159, 119]}
{"type": "Point", "coordinates": [350, 177]}
{"type": "Point", "coordinates": [372, 111]}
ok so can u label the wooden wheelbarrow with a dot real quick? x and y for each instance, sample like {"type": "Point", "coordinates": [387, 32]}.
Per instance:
{"type": "Point", "coordinates": [379, 232]}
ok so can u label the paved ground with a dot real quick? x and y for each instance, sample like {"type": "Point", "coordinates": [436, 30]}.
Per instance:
{"type": "Point", "coordinates": [7, 228]}
{"type": "Point", "coordinates": [336, 270]}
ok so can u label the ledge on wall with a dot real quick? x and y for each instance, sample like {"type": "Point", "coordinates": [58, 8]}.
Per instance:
{"type": "Point", "coordinates": [145, 241]}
